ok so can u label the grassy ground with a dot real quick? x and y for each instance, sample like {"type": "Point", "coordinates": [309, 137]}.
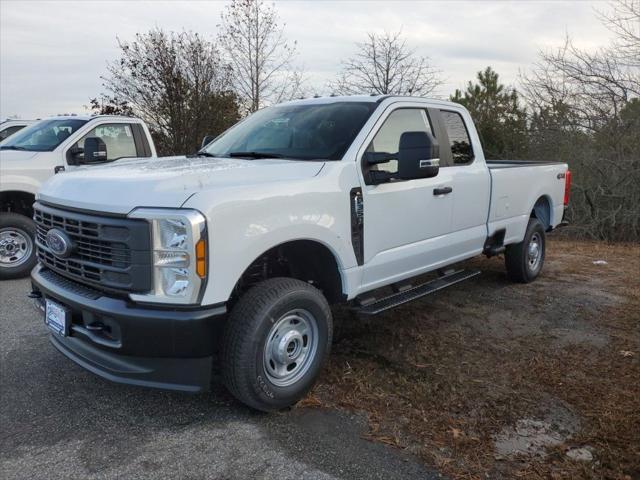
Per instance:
{"type": "Point", "coordinates": [498, 379]}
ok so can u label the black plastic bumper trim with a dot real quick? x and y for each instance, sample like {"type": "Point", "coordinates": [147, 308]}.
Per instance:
{"type": "Point", "coordinates": [143, 331]}
{"type": "Point", "coordinates": [182, 374]}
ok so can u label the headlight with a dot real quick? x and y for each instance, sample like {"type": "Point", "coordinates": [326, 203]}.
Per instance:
{"type": "Point", "coordinates": [179, 255]}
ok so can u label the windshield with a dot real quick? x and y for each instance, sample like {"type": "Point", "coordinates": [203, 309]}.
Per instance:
{"type": "Point", "coordinates": [307, 132]}
{"type": "Point", "coordinates": [43, 136]}
{"type": "Point", "coordinates": [8, 131]}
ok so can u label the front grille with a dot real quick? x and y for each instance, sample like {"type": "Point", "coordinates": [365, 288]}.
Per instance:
{"type": "Point", "coordinates": [109, 253]}
{"type": "Point", "coordinates": [85, 235]}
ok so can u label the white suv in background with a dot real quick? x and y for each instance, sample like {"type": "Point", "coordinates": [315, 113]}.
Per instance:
{"type": "Point", "coordinates": [50, 146]}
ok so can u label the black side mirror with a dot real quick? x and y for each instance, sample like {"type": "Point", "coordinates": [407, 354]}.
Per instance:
{"type": "Point", "coordinates": [418, 156]}
{"type": "Point", "coordinates": [95, 150]}
{"type": "Point", "coordinates": [206, 141]}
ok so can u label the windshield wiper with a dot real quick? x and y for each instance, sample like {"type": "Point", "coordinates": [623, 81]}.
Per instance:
{"type": "Point", "coordinates": [255, 155]}
{"type": "Point", "coordinates": [11, 147]}
{"type": "Point", "coordinates": [205, 154]}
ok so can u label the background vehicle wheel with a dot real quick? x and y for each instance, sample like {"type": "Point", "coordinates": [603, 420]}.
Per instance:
{"type": "Point", "coordinates": [275, 342]}
{"type": "Point", "coordinates": [17, 248]}
{"type": "Point", "coordinates": [524, 260]}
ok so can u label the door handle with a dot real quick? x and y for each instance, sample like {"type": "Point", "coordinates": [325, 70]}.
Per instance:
{"type": "Point", "coordinates": [442, 190]}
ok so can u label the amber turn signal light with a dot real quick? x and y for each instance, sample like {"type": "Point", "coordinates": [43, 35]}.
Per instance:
{"type": "Point", "coordinates": [201, 258]}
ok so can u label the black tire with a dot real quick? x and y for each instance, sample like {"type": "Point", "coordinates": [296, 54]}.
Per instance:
{"type": "Point", "coordinates": [17, 234]}
{"type": "Point", "coordinates": [243, 361]}
{"type": "Point", "coordinates": [520, 266]}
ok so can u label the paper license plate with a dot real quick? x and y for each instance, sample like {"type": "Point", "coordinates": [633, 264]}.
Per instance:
{"type": "Point", "coordinates": [57, 317]}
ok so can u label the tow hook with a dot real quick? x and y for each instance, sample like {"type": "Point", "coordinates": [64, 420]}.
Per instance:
{"type": "Point", "coordinates": [96, 327]}
{"type": "Point", "coordinates": [38, 299]}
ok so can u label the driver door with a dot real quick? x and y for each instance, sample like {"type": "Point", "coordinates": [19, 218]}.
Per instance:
{"type": "Point", "coordinates": [406, 222]}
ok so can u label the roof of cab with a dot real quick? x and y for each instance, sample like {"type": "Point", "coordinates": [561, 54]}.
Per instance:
{"type": "Point", "coordinates": [367, 99]}
{"type": "Point", "coordinates": [91, 117]}
{"type": "Point", "coordinates": [19, 121]}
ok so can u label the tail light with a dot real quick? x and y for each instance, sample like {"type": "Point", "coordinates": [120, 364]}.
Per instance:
{"type": "Point", "coordinates": [567, 187]}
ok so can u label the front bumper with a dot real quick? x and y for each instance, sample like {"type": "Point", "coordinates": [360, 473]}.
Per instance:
{"type": "Point", "coordinates": [130, 343]}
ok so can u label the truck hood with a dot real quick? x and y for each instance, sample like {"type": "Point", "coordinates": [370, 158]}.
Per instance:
{"type": "Point", "coordinates": [164, 182]}
{"type": "Point", "coordinates": [15, 158]}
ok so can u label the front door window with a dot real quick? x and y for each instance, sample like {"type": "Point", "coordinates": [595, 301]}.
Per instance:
{"type": "Point", "coordinates": [387, 139]}
{"type": "Point", "coordinates": [118, 137]}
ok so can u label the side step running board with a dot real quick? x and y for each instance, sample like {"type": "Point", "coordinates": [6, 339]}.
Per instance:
{"type": "Point", "coordinates": [380, 305]}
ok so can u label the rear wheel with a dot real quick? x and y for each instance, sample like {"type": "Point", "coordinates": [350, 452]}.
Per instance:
{"type": "Point", "coordinates": [17, 249]}
{"type": "Point", "coordinates": [275, 342]}
{"type": "Point", "coordinates": [524, 260]}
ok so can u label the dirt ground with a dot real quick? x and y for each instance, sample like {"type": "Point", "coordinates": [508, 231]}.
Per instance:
{"type": "Point", "coordinates": [490, 379]}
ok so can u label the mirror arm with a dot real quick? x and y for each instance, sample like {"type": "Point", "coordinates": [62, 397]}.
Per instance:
{"type": "Point", "coordinates": [72, 155]}
{"type": "Point", "coordinates": [380, 176]}
{"type": "Point", "coordinates": [374, 158]}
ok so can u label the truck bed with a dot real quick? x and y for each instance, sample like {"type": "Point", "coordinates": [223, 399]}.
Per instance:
{"type": "Point", "coordinates": [516, 185]}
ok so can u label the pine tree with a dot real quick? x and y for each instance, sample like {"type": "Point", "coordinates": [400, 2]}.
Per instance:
{"type": "Point", "coordinates": [501, 122]}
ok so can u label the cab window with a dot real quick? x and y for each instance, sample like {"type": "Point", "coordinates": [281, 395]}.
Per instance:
{"type": "Point", "coordinates": [118, 137]}
{"type": "Point", "coordinates": [387, 139]}
{"type": "Point", "coordinates": [459, 141]}
{"type": "Point", "coordinates": [7, 132]}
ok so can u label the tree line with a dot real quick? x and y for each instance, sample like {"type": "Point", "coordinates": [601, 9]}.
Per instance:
{"type": "Point", "coordinates": [580, 107]}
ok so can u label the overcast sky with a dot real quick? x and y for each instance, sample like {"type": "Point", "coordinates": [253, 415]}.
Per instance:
{"type": "Point", "coordinates": [52, 53]}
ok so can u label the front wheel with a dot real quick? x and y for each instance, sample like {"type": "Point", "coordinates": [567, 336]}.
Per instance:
{"type": "Point", "coordinates": [17, 250]}
{"type": "Point", "coordinates": [524, 260]}
{"type": "Point", "coordinates": [275, 342]}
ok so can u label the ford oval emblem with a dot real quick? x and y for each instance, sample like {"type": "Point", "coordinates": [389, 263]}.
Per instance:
{"type": "Point", "coordinates": [59, 243]}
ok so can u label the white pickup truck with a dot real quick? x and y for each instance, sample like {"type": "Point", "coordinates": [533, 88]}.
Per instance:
{"type": "Point", "coordinates": [149, 268]}
{"type": "Point", "coordinates": [42, 149]}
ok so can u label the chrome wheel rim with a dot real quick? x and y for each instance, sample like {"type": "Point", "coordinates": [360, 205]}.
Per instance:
{"type": "Point", "coordinates": [290, 347]}
{"type": "Point", "coordinates": [534, 251]}
{"type": "Point", "coordinates": [15, 247]}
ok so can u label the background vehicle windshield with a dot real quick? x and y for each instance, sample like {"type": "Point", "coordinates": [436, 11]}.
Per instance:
{"type": "Point", "coordinates": [43, 136]}
{"type": "Point", "coordinates": [7, 132]}
{"type": "Point", "coordinates": [308, 132]}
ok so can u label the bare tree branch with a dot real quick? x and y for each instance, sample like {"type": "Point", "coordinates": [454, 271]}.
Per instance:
{"type": "Point", "coordinates": [623, 20]}
{"type": "Point", "coordinates": [260, 56]}
{"type": "Point", "coordinates": [586, 109]}
{"type": "Point", "coordinates": [384, 64]}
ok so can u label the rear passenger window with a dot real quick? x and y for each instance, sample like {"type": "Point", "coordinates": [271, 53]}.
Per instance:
{"type": "Point", "coordinates": [459, 140]}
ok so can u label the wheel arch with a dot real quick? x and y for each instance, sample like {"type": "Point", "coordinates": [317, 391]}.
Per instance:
{"type": "Point", "coordinates": [17, 201]}
{"type": "Point", "coordinates": [309, 260]}
{"type": "Point", "coordinates": [543, 210]}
